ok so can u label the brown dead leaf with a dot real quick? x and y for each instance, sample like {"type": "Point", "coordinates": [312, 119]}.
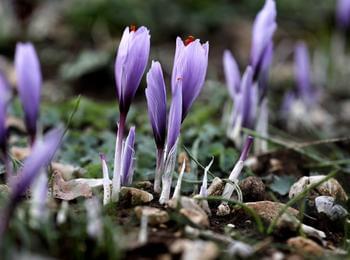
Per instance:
{"type": "Point", "coordinates": [69, 190]}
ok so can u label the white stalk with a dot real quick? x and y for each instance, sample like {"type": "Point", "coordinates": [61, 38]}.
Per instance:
{"type": "Point", "coordinates": [116, 171]}
{"type": "Point", "coordinates": [94, 222]}
{"type": "Point", "coordinates": [168, 175]}
{"type": "Point", "coordinates": [204, 192]}
{"type": "Point", "coordinates": [229, 188]}
{"type": "Point", "coordinates": [143, 234]}
{"type": "Point", "coordinates": [62, 213]}
{"type": "Point", "coordinates": [177, 191]}
{"type": "Point", "coordinates": [106, 183]}
{"type": "Point", "coordinates": [38, 211]}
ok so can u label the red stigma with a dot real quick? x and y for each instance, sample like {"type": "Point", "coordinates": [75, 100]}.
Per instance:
{"type": "Point", "coordinates": [133, 28]}
{"type": "Point", "coordinates": [189, 39]}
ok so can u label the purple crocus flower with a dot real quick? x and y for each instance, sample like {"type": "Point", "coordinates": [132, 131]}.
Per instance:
{"type": "Point", "coordinates": [190, 64]}
{"type": "Point", "coordinates": [302, 73]}
{"type": "Point", "coordinates": [262, 34]}
{"type": "Point", "coordinates": [4, 99]}
{"type": "Point", "coordinates": [232, 74]}
{"type": "Point", "coordinates": [29, 82]}
{"type": "Point", "coordinates": [264, 72]}
{"type": "Point", "coordinates": [248, 99]}
{"type": "Point", "coordinates": [156, 102]}
{"type": "Point", "coordinates": [41, 155]}
{"type": "Point", "coordinates": [130, 64]}
{"type": "Point", "coordinates": [128, 158]}
{"type": "Point", "coordinates": [343, 13]}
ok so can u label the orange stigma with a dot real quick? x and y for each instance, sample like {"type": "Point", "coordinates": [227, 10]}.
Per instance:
{"type": "Point", "coordinates": [133, 28]}
{"type": "Point", "coordinates": [188, 40]}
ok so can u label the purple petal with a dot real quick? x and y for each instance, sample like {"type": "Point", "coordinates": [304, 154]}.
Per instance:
{"type": "Point", "coordinates": [41, 155]}
{"type": "Point", "coordinates": [302, 72]}
{"type": "Point", "coordinates": [265, 67]}
{"type": "Point", "coordinates": [248, 95]}
{"type": "Point", "coordinates": [175, 115]}
{"type": "Point", "coordinates": [288, 99]}
{"type": "Point", "coordinates": [343, 13]}
{"type": "Point", "coordinates": [128, 157]}
{"type": "Point", "coordinates": [29, 82]}
{"type": "Point", "coordinates": [156, 102]}
{"type": "Point", "coordinates": [263, 30]}
{"type": "Point", "coordinates": [232, 74]}
{"type": "Point", "coordinates": [131, 61]}
{"type": "Point", "coordinates": [246, 148]}
{"type": "Point", "coordinates": [4, 99]}
{"type": "Point", "coordinates": [190, 65]}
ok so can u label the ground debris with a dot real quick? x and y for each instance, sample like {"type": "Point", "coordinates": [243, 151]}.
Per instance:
{"type": "Point", "coordinates": [155, 216]}
{"type": "Point", "coordinates": [330, 187]}
{"type": "Point", "coordinates": [305, 246]}
{"type": "Point", "coordinates": [135, 196]}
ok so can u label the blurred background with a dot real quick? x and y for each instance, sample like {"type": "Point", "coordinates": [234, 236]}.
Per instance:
{"type": "Point", "coordinates": [77, 39]}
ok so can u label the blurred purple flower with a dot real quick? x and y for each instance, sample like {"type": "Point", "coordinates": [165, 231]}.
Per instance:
{"type": "Point", "coordinates": [288, 100]}
{"type": "Point", "coordinates": [232, 74]}
{"type": "Point", "coordinates": [302, 72]}
{"type": "Point", "coordinates": [4, 99]}
{"type": "Point", "coordinates": [29, 82]}
{"type": "Point", "coordinates": [248, 99]}
{"type": "Point", "coordinates": [190, 64]}
{"type": "Point", "coordinates": [343, 13]}
{"type": "Point", "coordinates": [130, 64]}
{"type": "Point", "coordinates": [264, 72]}
{"type": "Point", "coordinates": [262, 34]}
{"type": "Point", "coordinates": [127, 167]}
{"type": "Point", "coordinates": [156, 102]}
{"type": "Point", "coordinates": [42, 153]}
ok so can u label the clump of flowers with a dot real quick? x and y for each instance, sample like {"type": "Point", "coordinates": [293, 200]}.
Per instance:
{"type": "Point", "coordinates": [249, 95]}
{"type": "Point", "coordinates": [188, 75]}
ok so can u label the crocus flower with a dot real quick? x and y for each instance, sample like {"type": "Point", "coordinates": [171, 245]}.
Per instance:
{"type": "Point", "coordinates": [156, 103]}
{"type": "Point", "coordinates": [130, 64]}
{"type": "Point", "coordinates": [232, 74]}
{"type": "Point", "coordinates": [245, 107]}
{"type": "Point", "coordinates": [157, 113]}
{"type": "Point", "coordinates": [302, 71]}
{"type": "Point", "coordinates": [42, 152]}
{"type": "Point", "coordinates": [262, 34]}
{"type": "Point", "coordinates": [29, 82]}
{"type": "Point", "coordinates": [190, 64]}
{"type": "Point", "coordinates": [4, 99]}
{"type": "Point", "coordinates": [156, 100]}
{"type": "Point", "coordinates": [343, 13]}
